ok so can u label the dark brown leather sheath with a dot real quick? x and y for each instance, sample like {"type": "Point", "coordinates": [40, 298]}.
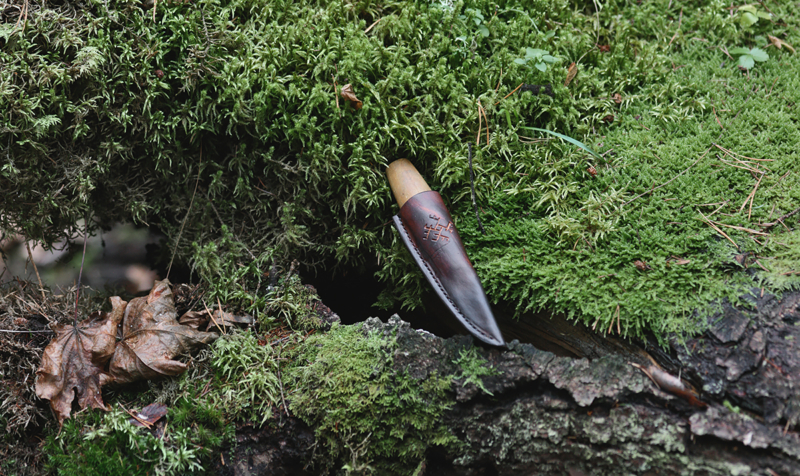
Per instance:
{"type": "Point", "coordinates": [428, 232]}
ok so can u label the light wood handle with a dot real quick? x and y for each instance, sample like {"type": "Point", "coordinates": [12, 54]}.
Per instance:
{"type": "Point", "coordinates": [405, 181]}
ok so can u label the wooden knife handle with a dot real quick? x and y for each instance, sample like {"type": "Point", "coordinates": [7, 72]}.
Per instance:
{"type": "Point", "coordinates": [405, 181]}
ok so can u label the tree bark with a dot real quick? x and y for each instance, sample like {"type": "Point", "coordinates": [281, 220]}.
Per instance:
{"type": "Point", "coordinates": [593, 410]}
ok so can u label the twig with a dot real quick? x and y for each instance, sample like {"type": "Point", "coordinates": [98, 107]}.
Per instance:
{"type": "Point", "coordinates": [30, 255]}
{"type": "Point", "coordinates": [133, 415]}
{"type": "Point", "coordinates": [486, 119]}
{"type": "Point", "coordinates": [718, 230]}
{"type": "Point", "coordinates": [155, 4]}
{"type": "Point", "coordinates": [480, 127]}
{"type": "Point", "coordinates": [728, 151]}
{"type": "Point", "coordinates": [669, 181]}
{"type": "Point", "coordinates": [753, 197]}
{"type": "Point", "coordinates": [509, 94]}
{"type": "Point", "coordinates": [779, 180]}
{"type": "Point", "coordinates": [372, 26]}
{"type": "Point", "coordinates": [499, 80]}
{"type": "Point", "coordinates": [472, 187]}
{"type": "Point", "coordinates": [717, 118]}
{"type": "Point", "coordinates": [191, 202]}
{"type": "Point", "coordinates": [752, 194]}
{"type": "Point", "coordinates": [211, 315]}
{"type": "Point", "coordinates": [280, 381]}
{"type": "Point", "coordinates": [740, 228]}
{"type": "Point", "coordinates": [80, 272]}
{"type": "Point", "coordinates": [45, 331]}
{"type": "Point", "coordinates": [779, 220]}
{"type": "Point", "coordinates": [761, 266]}
{"type": "Point", "coordinates": [680, 20]}
{"type": "Point", "coordinates": [336, 94]}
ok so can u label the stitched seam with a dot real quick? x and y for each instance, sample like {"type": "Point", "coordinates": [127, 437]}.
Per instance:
{"type": "Point", "coordinates": [464, 318]}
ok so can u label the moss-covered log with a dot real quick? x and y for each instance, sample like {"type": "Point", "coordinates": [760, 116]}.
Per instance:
{"type": "Point", "coordinates": [526, 411]}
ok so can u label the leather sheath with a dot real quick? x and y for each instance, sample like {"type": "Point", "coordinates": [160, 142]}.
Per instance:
{"type": "Point", "coordinates": [428, 232]}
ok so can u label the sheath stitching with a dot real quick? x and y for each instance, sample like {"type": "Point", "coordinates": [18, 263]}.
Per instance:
{"type": "Point", "coordinates": [464, 318]}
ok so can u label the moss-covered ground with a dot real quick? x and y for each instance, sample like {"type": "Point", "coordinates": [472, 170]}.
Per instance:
{"type": "Point", "coordinates": [118, 110]}
{"type": "Point", "coordinates": [225, 114]}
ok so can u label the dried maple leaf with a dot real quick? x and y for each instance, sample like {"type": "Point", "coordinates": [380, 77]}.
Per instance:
{"type": "Point", "coordinates": [152, 338]}
{"type": "Point", "coordinates": [73, 362]}
{"type": "Point", "coordinates": [778, 43]}
{"type": "Point", "coordinates": [572, 70]}
{"type": "Point", "coordinates": [348, 94]}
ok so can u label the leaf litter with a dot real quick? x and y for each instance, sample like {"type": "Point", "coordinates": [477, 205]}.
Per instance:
{"type": "Point", "coordinates": [137, 340]}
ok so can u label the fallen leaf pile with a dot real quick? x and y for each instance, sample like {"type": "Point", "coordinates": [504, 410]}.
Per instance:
{"type": "Point", "coordinates": [83, 358]}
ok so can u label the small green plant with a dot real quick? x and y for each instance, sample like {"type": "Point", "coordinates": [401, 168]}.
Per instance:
{"type": "Point", "coordinates": [750, 14]}
{"type": "Point", "coordinates": [364, 411]}
{"type": "Point", "coordinates": [473, 367]}
{"type": "Point", "coordinates": [538, 58]}
{"type": "Point", "coordinates": [748, 57]}
{"type": "Point", "coordinates": [249, 375]}
{"type": "Point", "coordinates": [476, 17]}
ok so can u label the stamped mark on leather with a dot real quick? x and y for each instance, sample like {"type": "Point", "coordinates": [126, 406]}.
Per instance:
{"type": "Point", "coordinates": [437, 231]}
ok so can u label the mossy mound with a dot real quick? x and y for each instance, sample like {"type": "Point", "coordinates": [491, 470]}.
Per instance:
{"type": "Point", "coordinates": [118, 110]}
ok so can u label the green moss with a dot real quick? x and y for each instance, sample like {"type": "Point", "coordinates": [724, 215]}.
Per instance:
{"type": "Point", "coordinates": [246, 380]}
{"type": "Point", "coordinates": [114, 115]}
{"type": "Point", "coordinates": [98, 443]}
{"type": "Point", "coordinates": [472, 367]}
{"type": "Point", "coordinates": [366, 414]}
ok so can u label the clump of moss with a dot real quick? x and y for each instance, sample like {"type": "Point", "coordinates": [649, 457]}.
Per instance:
{"type": "Point", "coordinates": [472, 367]}
{"type": "Point", "coordinates": [99, 443]}
{"type": "Point", "coordinates": [368, 417]}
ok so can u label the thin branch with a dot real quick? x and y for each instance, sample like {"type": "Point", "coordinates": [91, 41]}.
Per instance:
{"type": "Point", "coordinates": [509, 94]}
{"type": "Point", "coordinates": [669, 181]}
{"type": "Point", "coordinates": [191, 202]}
{"type": "Point", "coordinates": [39, 278]}
{"type": "Point", "coordinates": [472, 187]}
{"type": "Point", "coordinates": [718, 230]}
{"type": "Point", "coordinates": [80, 272]}
{"type": "Point", "coordinates": [779, 220]}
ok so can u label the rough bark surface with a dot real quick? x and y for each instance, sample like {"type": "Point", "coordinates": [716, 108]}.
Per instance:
{"type": "Point", "coordinates": [548, 414]}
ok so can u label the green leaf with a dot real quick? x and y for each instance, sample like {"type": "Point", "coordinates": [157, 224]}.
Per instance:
{"type": "Point", "coordinates": [549, 59]}
{"type": "Point", "coordinates": [746, 61]}
{"type": "Point", "coordinates": [535, 52]}
{"type": "Point", "coordinates": [520, 61]}
{"type": "Point", "coordinates": [483, 31]}
{"type": "Point", "coordinates": [549, 34]}
{"type": "Point", "coordinates": [739, 51]}
{"type": "Point", "coordinates": [541, 67]}
{"type": "Point", "coordinates": [569, 139]}
{"type": "Point", "coordinates": [748, 19]}
{"type": "Point", "coordinates": [748, 8]}
{"type": "Point", "coordinates": [759, 55]}
{"type": "Point", "coordinates": [764, 15]}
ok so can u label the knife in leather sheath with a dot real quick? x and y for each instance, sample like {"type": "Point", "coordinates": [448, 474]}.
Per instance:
{"type": "Point", "coordinates": [428, 232]}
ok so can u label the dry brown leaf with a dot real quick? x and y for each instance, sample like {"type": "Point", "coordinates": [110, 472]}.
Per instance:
{"type": "Point", "coordinates": [572, 70]}
{"type": "Point", "coordinates": [777, 42]}
{"type": "Point", "coordinates": [73, 362]}
{"type": "Point", "coordinates": [198, 319]}
{"type": "Point", "coordinates": [152, 338]}
{"type": "Point", "coordinates": [617, 97]}
{"type": "Point", "coordinates": [641, 265]}
{"type": "Point", "coordinates": [149, 415]}
{"type": "Point", "coordinates": [348, 95]}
